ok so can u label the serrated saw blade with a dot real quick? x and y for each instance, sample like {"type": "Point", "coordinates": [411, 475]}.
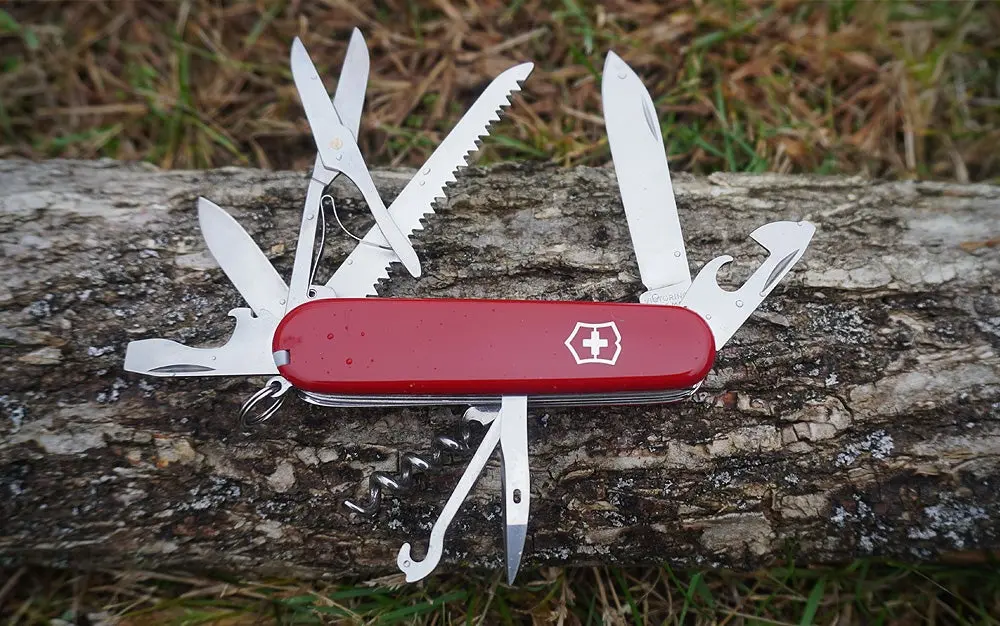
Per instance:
{"type": "Point", "coordinates": [370, 260]}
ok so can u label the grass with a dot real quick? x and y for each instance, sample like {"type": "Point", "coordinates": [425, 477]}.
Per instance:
{"type": "Point", "coordinates": [859, 593]}
{"type": "Point", "coordinates": [890, 89]}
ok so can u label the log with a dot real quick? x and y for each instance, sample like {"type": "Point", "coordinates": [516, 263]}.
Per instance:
{"type": "Point", "coordinates": [855, 414]}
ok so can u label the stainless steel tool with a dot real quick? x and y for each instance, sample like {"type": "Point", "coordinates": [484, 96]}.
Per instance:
{"type": "Point", "coordinates": [560, 354]}
{"type": "Point", "coordinates": [644, 183]}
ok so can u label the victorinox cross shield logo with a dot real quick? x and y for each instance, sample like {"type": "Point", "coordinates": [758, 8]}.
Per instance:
{"type": "Point", "coordinates": [595, 343]}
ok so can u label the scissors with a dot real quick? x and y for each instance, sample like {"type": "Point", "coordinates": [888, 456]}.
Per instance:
{"type": "Point", "coordinates": [337, 153]}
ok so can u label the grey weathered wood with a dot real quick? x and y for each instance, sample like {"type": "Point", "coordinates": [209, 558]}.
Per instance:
{"type": "Point", "coordinates": [855, 414]}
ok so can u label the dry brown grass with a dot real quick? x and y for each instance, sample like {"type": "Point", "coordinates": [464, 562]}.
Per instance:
{"type": "Point", "coordinates": [888, 88]}
{"type": "Point", "coordinates": [859, 593]}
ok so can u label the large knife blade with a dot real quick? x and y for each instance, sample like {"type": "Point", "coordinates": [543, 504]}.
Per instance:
{"type": "Point", "coordinates": [369, 261]}
{"type": "Point", "coordinates": [243, 262]}
{"type": "Point", "coordinates": [640, 163]}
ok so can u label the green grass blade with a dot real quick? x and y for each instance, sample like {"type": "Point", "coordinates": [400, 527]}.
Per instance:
{"type": "Point", "coordinates": [812, 603]}
{"type": "Point", "coordinates": [518, 145]}
{"type": "Point", "coordinates": [407, 612]}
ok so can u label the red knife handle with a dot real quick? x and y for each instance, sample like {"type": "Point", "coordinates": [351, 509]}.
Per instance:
{"type": "Point", "coordinates": [476, 347]}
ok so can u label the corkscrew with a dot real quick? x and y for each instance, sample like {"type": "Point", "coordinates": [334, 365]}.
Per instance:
{"type": "Point", "coordinates": [410, 464]}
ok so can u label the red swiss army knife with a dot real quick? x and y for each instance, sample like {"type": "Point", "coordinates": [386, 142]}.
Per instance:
{"type": "Point", "coordinates": [339, 346]}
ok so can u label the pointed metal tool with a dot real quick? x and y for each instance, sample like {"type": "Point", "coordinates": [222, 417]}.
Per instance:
{"type": "Point", "coordinates": [509, 430]}
{"type": "Point", "coordinates": [515, 477]}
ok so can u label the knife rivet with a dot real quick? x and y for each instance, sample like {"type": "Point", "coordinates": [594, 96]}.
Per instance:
{"type": "Point", "coordinates": [310, 216]}
{"type": "Point", "coordinates": [622, 75]}
{"type": "Point", "coordinates": [739, 303]}
{"type": "Point", "coordinates": [677, 253]}
{"type": "Point", "coordinates": [427, 171]}
{"type": "Point", "coordinates": [282, 301]}
{"type": "Point", "coordinates": [422, 182]}
{"type": "Point", "coordinates": [340, 157]}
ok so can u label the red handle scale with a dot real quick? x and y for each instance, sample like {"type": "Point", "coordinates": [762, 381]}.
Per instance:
{"type": "Point", "coordinates": [485, 347]}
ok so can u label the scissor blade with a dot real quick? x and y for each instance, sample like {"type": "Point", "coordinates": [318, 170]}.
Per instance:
{"type": "Point", "coordinates": [640, 163]}
{"type": "Point", "coordinates": [349, 97]}
{"type": "Point", "coordinates": [515, 477]}
{"type": "Point", "coordinates": [243, 262]}
{"type": "Point", "coordinates": [319, 108]}
{"type": "Point", "coordinates": [368, 262]}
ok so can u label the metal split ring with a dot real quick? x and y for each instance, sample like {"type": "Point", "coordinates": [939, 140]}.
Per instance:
{"type": "Point", "coordinates": [274, 391]}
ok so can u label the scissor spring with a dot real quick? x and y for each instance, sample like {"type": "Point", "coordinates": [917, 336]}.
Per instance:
{"type": "Point", "coordinates": [569, 400]}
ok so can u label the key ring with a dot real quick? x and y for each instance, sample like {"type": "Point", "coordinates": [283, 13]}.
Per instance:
{"type": "Point", "coordinates": [274, 390]}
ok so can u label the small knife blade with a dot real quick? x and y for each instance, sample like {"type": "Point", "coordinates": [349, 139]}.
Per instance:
{"type": "Point", "coordinates": [515, 478]}
{"type": "Point", "coordinates": [640, 163]}
{"type": "Point", "coordinates": [243, 262]}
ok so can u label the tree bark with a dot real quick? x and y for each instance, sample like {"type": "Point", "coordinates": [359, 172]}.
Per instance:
{"type": "Point", "coordinates": [856, 413]}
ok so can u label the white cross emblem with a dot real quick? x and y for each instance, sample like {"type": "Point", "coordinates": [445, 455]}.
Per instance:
{"type": "Point", "coordinates": [595, 343]}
